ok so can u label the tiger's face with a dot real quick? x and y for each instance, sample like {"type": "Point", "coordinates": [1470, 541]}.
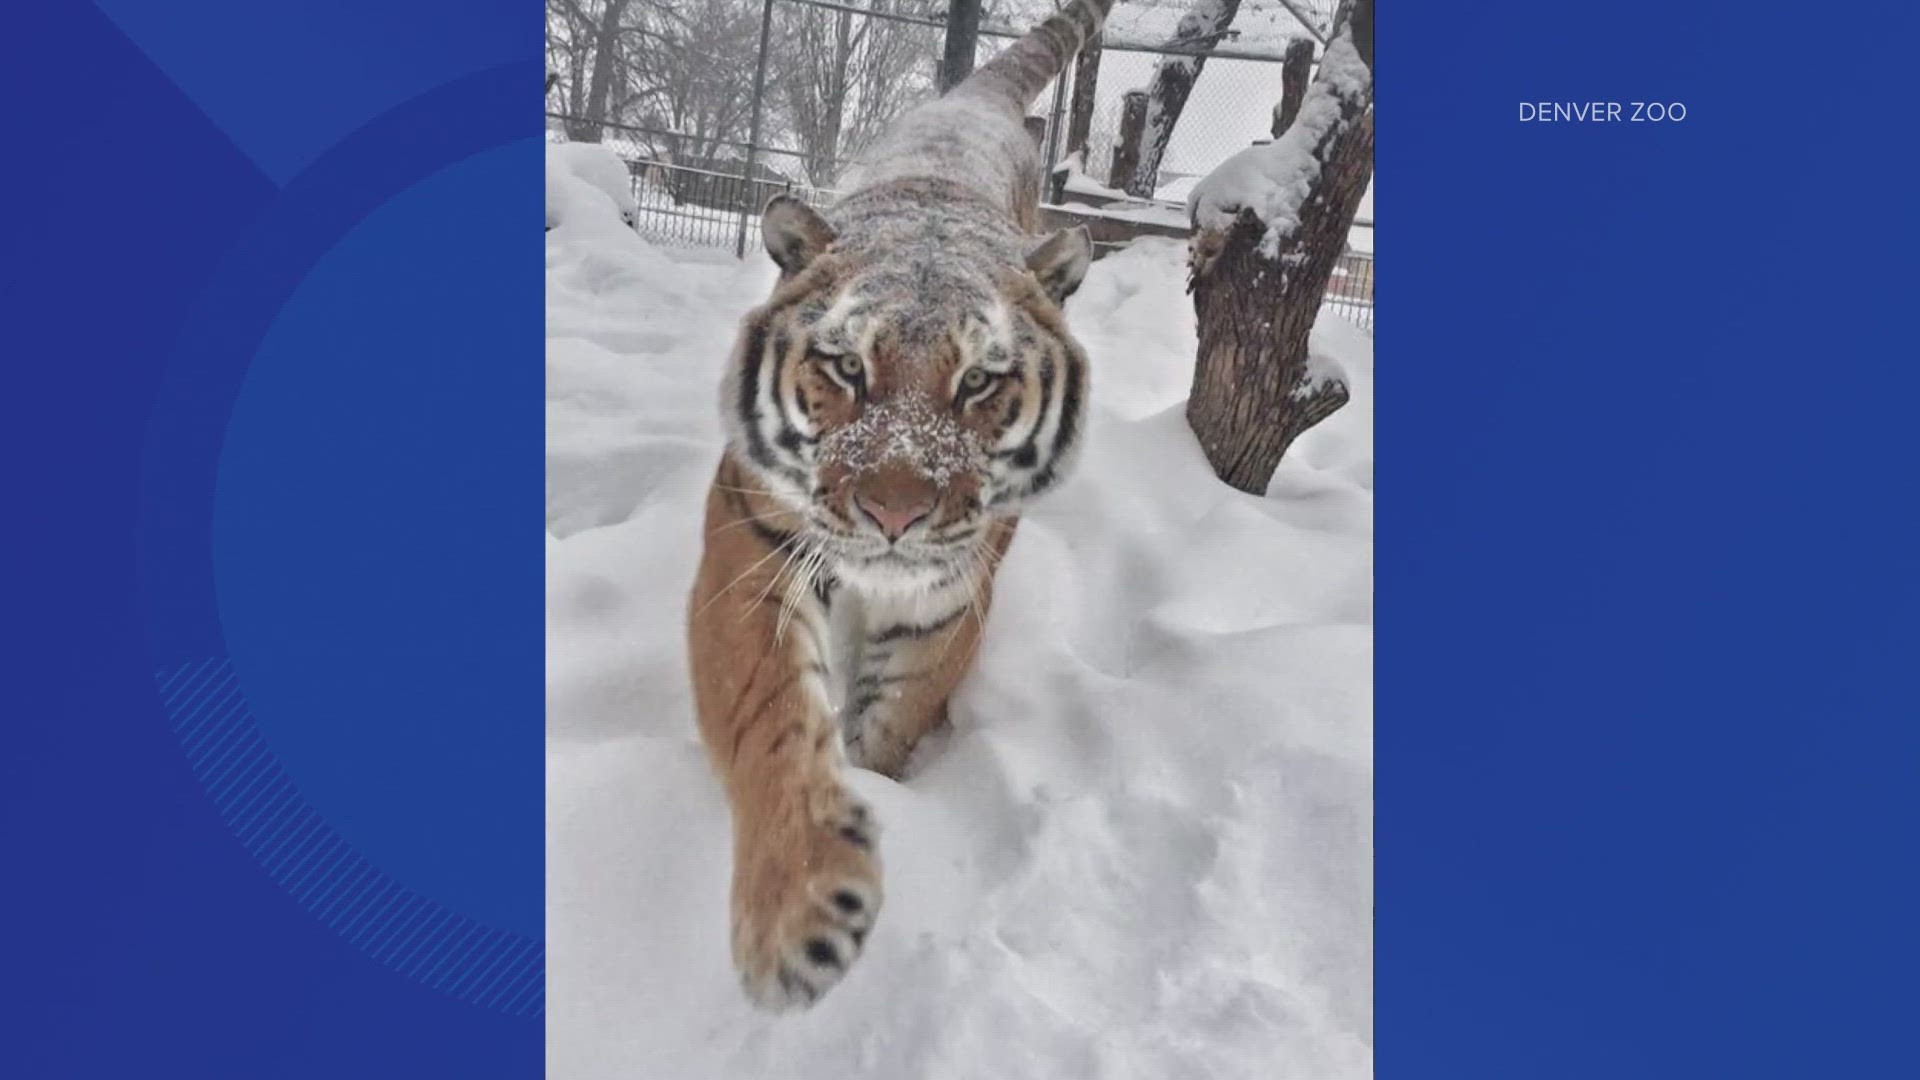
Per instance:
{"type": "Point", "coordinates": [896, 413]}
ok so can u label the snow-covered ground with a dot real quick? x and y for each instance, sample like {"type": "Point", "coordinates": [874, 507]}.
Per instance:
{"type": "Point", "coordinates": [595, 169]}
{"type": "Point", "coordinates": [1144, 849]}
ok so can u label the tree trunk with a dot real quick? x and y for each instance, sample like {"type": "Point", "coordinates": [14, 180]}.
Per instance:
{"type": "Point", "coordinates": [1172, 84]}
{"type": "Point", "coordinates": [605, 41]}
{"type": "Point", "coordinates": [1294, 71]}
{"type": "Point", "coordinates": [1133, 121]}
{"type": "Point", "coordinates": [1255, 388]}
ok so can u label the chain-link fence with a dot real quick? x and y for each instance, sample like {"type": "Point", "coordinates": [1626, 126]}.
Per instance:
{"type": "Point", "coordinates": [764, 96]}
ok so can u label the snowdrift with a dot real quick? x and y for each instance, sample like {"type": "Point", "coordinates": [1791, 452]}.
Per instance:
{"type": "Point", "coordinates": [576, 171]}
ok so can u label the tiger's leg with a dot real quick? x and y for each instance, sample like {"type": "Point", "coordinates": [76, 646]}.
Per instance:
{"type": "Point", "coordinates": [912, 656]}
{"type": "Point", "coordinates": [806, 879]}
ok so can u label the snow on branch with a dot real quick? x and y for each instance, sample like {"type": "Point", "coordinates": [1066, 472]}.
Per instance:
{"type": "Point", "coordinates": [1274, 181]}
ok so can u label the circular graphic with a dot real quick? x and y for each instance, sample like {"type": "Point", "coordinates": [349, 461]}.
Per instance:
{"type": "Point", "coordinates": [336, 603]}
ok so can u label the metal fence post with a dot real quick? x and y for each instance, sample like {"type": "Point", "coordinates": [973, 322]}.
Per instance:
{"type": "Point", "coordinates": [753, 125]}
{"type": "Point", "coordinates": [1057, 116]}
{"type": "Point", "coordinates": [963, 37]}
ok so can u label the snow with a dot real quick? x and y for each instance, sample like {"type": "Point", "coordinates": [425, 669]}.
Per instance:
{"type": "Point", "coordinates": [1149, 213]}
{"type": "Point", "coordinates": [1275, 180]}
{"type": "Point", "coordinates": [1178, 189]}
{"type": "Point", "coordinates": [1078, 182]}
{"type": "Point", "coordinates": [912, 428]}
{"type": "Point", "coordinates": [1144, 849]}
{"type": "Point", "coordinates": [1169, 205]}
{"type": "Point", "coordinates": [1122, 207]}
{"type": "Point", "coordinates": [598, 167]}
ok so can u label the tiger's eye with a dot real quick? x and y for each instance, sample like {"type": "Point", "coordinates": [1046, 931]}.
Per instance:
{"type": "Point", "coordinates": [974, 380]}
{"type": "Point", "coordinates": [849, 367]}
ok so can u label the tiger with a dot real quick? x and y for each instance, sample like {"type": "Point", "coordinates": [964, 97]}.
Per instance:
{"type": "Point", "coordinates": [907, 389]}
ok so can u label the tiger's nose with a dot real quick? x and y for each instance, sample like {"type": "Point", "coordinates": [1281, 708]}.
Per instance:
{"type": "Point", "coordinates": [895, 515]}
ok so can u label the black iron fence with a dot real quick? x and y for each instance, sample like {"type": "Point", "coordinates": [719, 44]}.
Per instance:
{"type": "Point", "coordinates": [1350, 289]}
{"type": "Point", "coordinates": [692, 193]}
{"type": "Point", "coordinates": [690, 206]}
{"type": "Point", "coordinates": [682, 206]}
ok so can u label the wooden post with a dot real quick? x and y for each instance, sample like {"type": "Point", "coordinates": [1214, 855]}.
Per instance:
{"type": "Point", "coordinates": [1133, 123]}
{"type": "Point", "coordinates": [1293, 83]}
{"type": "Point", "coordinates": [1174, 76]}
{"type": "Point", "coordinates": [1086, 76]}
{"type": "Point", "coordinates": [963, 36]}
{"type": "Point", "coordinates": [1086, 72]}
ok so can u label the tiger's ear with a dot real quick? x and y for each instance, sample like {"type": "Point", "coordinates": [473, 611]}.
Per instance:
{"type": "Point", "coordinates": [793, 233]}
{"type": "Point", "coordinates": [1061, 261]}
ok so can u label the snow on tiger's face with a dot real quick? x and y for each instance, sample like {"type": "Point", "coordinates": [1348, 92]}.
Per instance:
{"type": "Point", "coordinates": [898, 416]}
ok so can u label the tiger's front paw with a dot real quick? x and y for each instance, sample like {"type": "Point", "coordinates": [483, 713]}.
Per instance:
{"type": "Point", "coordinates": [806, 890]}
{"type": "Point", "coordinates": [872, 747]}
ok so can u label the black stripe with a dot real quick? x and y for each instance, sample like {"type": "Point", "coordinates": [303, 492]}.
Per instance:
{"type": "Point", "coordinates": [1069, 408]}
{"type": "Point", "coordinates": [753, 354]}
{"type": "Point", "coordinates": [904, 631]}
{"type": "Point", "coordinates": [793, 984]}
{"type": "Point", "coordinates": [1028, 451]}
{"type": "Point", "coordinates": [747, 404]}
{"type": "Point", "coordinates": [875, 682]}
{"type": "Point", "coordinates": [1069, 425]}
{"type": "Point", "coordinates": [946, 580]}
{"type": "Point", "coordinates": [790, 439]}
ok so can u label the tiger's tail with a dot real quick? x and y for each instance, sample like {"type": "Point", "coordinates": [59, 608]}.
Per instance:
{"type": "Point", "coordinates": [1016, 76]}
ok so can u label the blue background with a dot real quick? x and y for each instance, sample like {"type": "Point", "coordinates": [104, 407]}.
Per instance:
{"type": "Point", "coordinates": [1648, 740]}
{"type": "Point", "coordinates": [1646, 681]}
{"type": "Point", "coordinates": [273, 798]}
